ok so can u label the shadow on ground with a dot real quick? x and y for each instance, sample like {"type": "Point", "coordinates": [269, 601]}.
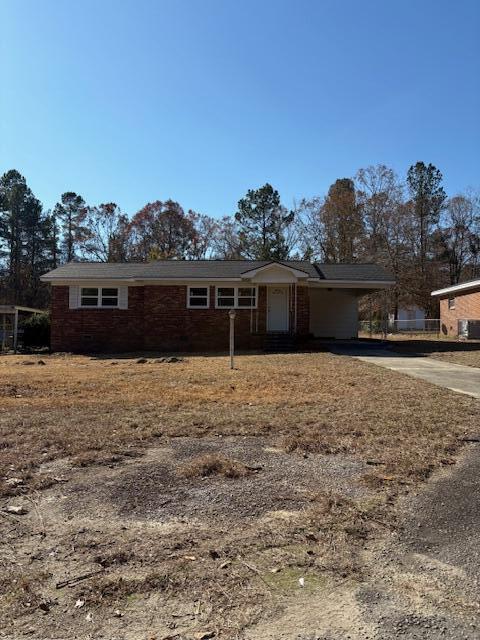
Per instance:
{"type": "Point", "coordinates": [403, 347]}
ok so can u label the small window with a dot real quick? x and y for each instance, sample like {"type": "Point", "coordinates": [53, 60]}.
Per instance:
{"type": "Point", "coordinates": [451, 303]}
{"type": "Point", "coordinates": [99, 297]}
{"type": "Point", "coordinates": [236, 298]}
{"type": "Point", "coordinates": [89, 297]}
{"type": "Point", "coordinates": [109, 297]}
{"type": "Point", "coordinates": [226, 297]}
{"type": "Point", "coordinates": [198, 298]}
{"type": "Point", "coordinates": [247, 297]}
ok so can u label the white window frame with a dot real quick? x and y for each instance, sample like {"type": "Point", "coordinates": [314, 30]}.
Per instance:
{"type": "Point", "coordinates": [451, 303]}
{"type": "Point", "coordinates": [236, 296]}
{"type": "Point", "coordinates": [198, 286]}
{"type": "Point", "coordinates": [99, 297]}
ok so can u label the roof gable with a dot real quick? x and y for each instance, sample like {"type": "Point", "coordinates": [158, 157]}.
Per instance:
{"type": "Point", "coordinates": [275, 271]}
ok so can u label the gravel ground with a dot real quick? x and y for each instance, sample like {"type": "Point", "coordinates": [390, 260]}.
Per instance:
{"type": "Point", "coordinates": [153, 488]}
{"type": "Point", "coordinates": [421, 583]}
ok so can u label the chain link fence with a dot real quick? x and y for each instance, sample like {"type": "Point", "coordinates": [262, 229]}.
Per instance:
{"type": "Point", "coordinates": [408, 327]}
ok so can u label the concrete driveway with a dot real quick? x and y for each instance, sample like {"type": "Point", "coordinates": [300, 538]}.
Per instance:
{"type": "Point", "coordinates": [451, 376]}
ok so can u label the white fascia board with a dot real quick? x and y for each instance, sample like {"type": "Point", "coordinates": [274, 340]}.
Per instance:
{"type": "Point", "coordinates": [135, 282]}
{"type": "Point", "coordinates": [113, 282]}
{"type": "Point", "coordinates": [11, 308]}
{"type": "Point", "coordinates": [185, 280]}
{"type": "Point", "coordinates": [313, 282]}
{"type": "Point", "coordinates": [457, 287]}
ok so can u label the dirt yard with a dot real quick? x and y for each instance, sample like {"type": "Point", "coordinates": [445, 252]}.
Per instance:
{"type": "Point", "coordinates": [174, 500]}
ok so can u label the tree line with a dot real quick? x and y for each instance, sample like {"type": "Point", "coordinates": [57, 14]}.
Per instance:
{"type": "Point", "coordinates": [423, 237]}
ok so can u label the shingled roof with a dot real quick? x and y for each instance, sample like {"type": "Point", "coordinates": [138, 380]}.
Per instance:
{"type": "Point", "coordinates": [210, 270]}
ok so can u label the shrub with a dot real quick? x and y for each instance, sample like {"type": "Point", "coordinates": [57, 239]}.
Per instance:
{"type": "Point", "coordinates": [213, 464]}
{"type": "Point", "coordinates": [36, 330]}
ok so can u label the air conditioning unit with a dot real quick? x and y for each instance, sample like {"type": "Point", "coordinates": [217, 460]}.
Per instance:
{"type": "Point", "coordinates": [469, 329]}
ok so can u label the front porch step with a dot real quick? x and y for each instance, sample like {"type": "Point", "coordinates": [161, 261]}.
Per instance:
{"type": "Point", "coordinates": [279, 343]}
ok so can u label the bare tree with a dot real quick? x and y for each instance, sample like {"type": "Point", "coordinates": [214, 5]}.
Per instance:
{"type": "Point", "coordinates": [226, 241]}
{"type": "Point", "coordinates": [331, 228]}
{"type": "Point", "coordinates": [311, 238]}
{"type": "Point", "coordinates": [108, 234]}
{"type": "Point", "coordinates": [457, 239]}
{"type": "Point", "coordinates": [203, 239]}
{"type": "Point", "coordinates": [161, 230]}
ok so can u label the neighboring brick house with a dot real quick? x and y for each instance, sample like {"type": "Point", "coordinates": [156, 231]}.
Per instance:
{"type": "Point", "coordinates": [460, 309]}
{"type": "Point", "coordinates": [181, 305]}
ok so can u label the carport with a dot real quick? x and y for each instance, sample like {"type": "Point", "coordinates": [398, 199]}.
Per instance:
{"type": "Point", "coordinates": [11, 317]}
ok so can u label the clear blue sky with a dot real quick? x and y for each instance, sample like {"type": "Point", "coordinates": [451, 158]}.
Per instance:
{"type": "Point", "coordinates": [199, 100]}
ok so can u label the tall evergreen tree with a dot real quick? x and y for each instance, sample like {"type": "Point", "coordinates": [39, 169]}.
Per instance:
{"type": "Point", "coordinates": [24, 240]}
{"type": "Point", "coordinates": [52, 239]}
{"type": "Point", "coordinates": [427, 198]}
{"type": "Point", "coordinates": [262, 224]}
{"type": "Point", "coordinates": [71, 213]}
{"type": "Point", "coordinates": [14, 198]}
{"type": "Point", "coordinates": [342, 222]}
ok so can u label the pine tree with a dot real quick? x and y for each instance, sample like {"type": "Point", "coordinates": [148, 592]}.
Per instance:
{"type": "Point", "coordinates": [262, 224]}
{"type": "Point", "coordinates": [25, 241]}
{"type": "Point", "coordinates": [427, 200]}
{"type": "Point", "coordinates": [71, 213]}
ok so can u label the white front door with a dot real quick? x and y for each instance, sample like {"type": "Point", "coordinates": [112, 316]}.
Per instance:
{"type": "Point", "coordinates": [277, 302]}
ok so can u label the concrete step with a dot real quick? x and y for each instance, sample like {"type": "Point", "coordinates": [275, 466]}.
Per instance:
{"type": "Point", "coordinates": [279, 343]}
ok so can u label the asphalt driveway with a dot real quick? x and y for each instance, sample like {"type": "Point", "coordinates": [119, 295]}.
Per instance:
{"type": "Point", "coordinates": [456, 377]}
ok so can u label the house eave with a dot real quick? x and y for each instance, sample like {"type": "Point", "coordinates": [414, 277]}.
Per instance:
{"type": "Point", "coordinates": [474, 284]}
{"type": "Point", "coordinates": [65, 281]}
{"type": "Point", "coordinates": [313, 282]}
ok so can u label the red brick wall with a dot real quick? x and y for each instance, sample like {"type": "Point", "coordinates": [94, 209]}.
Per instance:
{"type": "Point", "coordinates": [157, 319]}
{"type": "Point", "coordinates": [171, 326]}
{"type": "Point", "coordinates": [96, 329]}
{"type": "Point", "coordinates": [467, 307]}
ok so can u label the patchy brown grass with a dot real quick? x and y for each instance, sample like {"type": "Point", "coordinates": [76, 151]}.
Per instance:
{"type": "Point", "coordinates": [448, 350]}
{"type": "Point", "coordinates": [72, 431]}
{"type": "Point", "coordinates": [213, 464]}
{"type": "Point", "coordinates": [92, 412]}
{"type": "Point", "coordinates": [467, 358]}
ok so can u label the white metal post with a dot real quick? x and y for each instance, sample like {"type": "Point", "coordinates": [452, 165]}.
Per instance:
{"type": "Point", "coordinates": [231, 315]}
{"type": "Point", "coordinates": [15, 331]}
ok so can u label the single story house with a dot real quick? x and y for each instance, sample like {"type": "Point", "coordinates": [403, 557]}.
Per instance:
{"type": "Point", "coordinates": [182, 305]}
{"type": "Point", "coordinates": [409, 318]}
{"type": "Point", "coordinates": [460, 309]}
